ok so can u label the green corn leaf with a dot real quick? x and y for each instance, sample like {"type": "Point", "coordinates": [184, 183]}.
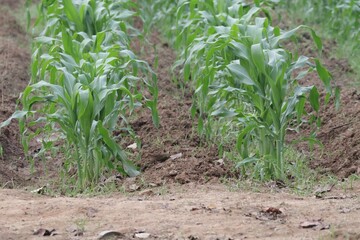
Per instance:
{"type": "Point", "coordinates": [100, 36]}
{"type": "Point", "coordinates": [224, 113]}
{"type": "Point", "coordinates": [15, 115]}
{"type": "Point", "coordinates": [300, 108]}
{"type": "Point", "coordinates": [314, 99]}
{"type": "Point", "coordinates": [324, 75]}
{"type": "Point", "coordinates": [124, 14]}
{"type": "Point", "coordinates": [258, 57]}
{"type": "Point", "coordinates": [240, 73]}
{"type": "Point", "coordinates": [46, 40]}
{"type": "Point", "coordinates": [247, 17]}
{"type": "Point", "coordinates": [67, 42]}
{"type": "Point", "coordinates": [317, 40]}
{"type": "Point", "coordinates": [128, 167]}
{"type": "Point", "coordinates": [337, 98]}
{"type": "Point", "coordinates": [246, 161]}
{"type": "Point", "coordinates": [58, 90]}
{"type": "Point", "coordinates": [85, 109]}
{"type": "Point", "coordinates": [187, 71]}
{"type": "Point", "coordinates": [292, 102]}
{"type": "Point", "coordinates": [72, 13]}
{"type": "Point", "coordinates": [247, 130]}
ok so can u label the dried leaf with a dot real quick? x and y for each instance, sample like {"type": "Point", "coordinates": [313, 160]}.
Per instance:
{"type": "Point", "coordinates": [272, 210]}
{"type": "Point", "coordinates": [132, 146]}
{"type": "Point", "coordinates": [270, 213]}
{"type": "Point", "coordinates": [310, 224]}
{"type": "Point", "coordinates": [44, 232]}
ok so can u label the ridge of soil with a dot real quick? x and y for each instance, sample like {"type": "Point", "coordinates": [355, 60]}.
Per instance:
{"type": "Point", "coordinates": [338, 133]}
{"type": "Point", "coordinates": [177, 134]}
{"type": "Point", "coordinates": [14, 76]}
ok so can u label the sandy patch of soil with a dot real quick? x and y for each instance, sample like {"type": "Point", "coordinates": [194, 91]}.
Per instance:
{"type": "Point", "coordinates": [184, 212]}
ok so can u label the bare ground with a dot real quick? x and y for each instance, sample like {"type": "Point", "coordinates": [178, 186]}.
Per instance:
{"type": "Point", "coordinates": [181, 198]}
{"type": "Point", "coordinates": [184, 212]}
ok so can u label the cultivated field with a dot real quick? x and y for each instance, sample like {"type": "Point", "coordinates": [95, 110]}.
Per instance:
{"type": "Point", "coordinates": [161, 121]}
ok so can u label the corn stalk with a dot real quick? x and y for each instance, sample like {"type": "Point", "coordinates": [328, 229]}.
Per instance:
{"type": "Point", "coordinates": [84, 78]}
{"type": "Point", "coordinates": [241, 75]}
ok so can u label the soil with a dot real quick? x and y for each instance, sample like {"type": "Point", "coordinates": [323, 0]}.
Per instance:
{"type": "Point", "coordinates": [197, 161]}
{"type": "Point", "coordinates": [183, 212]}
{"type": "Point", "coordinates": [14, 74]}
{"type": "Point", "coordinates": [181, 196]}
{"type": "Point", "coordinates": [338, 134]}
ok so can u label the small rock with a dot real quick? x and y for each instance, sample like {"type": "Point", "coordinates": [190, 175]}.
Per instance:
{"type": "Point", "coordinates": [134, 187]}
{"type": "Point", "coordinates": [142, 235]}
{"type": "Point", "coordinates": [132, 146]}
{"type": "Point", "coordinates": [173, 173]}
{"type": "Point", "coordinates": [220, 162]}
{"type": "Point", "coordinates": [310, 224]}
{"type": "Point", "coordinates": [345, 210]}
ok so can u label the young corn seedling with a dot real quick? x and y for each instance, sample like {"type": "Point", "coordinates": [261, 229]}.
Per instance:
{"type": "Point", "coordinates": [337, 18]}
{"type": "Point", "coordinates": [84, 77]}
{"type": "Point", "coordinates": [242, 75]}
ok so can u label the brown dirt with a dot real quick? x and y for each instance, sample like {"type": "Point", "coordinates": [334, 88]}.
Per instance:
{"type": "Point", "coordinates": [183, 212]}
{"type": "Point", "coordinates": [339, 134]}
{"type": "Point", "coordinates": [12, 3]}
{"type": "Point", "coordinates": [14, 62]}
{"type": "Point", "coordinates": [176, 134]}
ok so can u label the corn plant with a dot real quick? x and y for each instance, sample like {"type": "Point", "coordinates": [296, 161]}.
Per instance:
{"type": "Point", "coordinates": [338, 18]}
{"type": "Point", "coordinates": [84, 78]}
{"type": "Point", "coordinates": [242, 75]}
